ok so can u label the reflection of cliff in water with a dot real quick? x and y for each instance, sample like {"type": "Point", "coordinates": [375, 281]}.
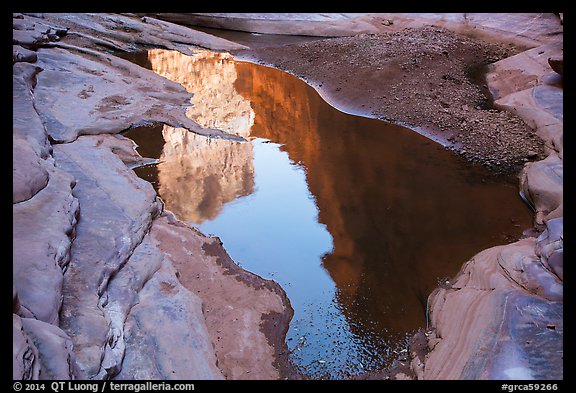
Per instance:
{"type": "Point", "coordinates": [197, 176]}
{"type": "Point", "coordinates": [210, 77]}
{"type": "Point", "coordinates": [402, 211]}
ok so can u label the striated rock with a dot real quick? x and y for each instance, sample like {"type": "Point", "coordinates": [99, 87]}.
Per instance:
{"type": "Point", "coordinates": [522, 266]}
{"type": "Point", "coordinates": [173, 33]}
{"type": "Point", "coordinates": [24, 353]}
{"type": "Point", "coordinates": [123, 31]}
{"type": "Point", "coordinates": [146, 300]}
{"type": "Point", "coordinates": [557, 64]}
{"type": "Point", "coordinates": [247, 316]}
{"type": "Point", "coordinates": [28, 174]}
{"type": "Point", "coordinates": [116, 210]}
{"type": "Point", "coordinates": [107, 94]}
{"type": "Point", "coordinates": [520, 344]}
{"type": "Point", "coordinates": [122, 295]}
{"type": "Point", "coordinates": [166, 335]}
{"type": "Point", "coordinates": [550, 246]}
{"type": "Point", "coordinates": [41, 236]}
{"type": "Point", "coordinates": [506, 334]}
{"type": "Point", "coordinates": [55, 356]}
{"type": "Point", "coordinates": [26, 123]}
{"type": "Point", "coordinates": [542, 183]}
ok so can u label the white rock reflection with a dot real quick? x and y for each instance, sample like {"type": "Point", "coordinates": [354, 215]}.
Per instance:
{"type": "Point", "coordinates": [197, 176]}
{"type": "Point", "coordinates": [210, 77]}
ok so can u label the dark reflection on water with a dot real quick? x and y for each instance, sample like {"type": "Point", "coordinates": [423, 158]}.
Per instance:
{"type": "Point", "coordinates": [357, 219]}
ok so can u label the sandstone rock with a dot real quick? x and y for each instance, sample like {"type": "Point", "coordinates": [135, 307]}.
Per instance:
{"type": "Point", "coordinates": [523, 345]}
{"type": "Point", "coordinates": [121, 296]}
{"type": "Point", "coordinates": [107, 94]}
{"type": "Point", "coordinates": [116, 209]}
{"type": "Point", "coordinates": [542, 183]}
{"type": "Point", "coordinates": [165, 333]}
{"type": "Point", "coordinates": [29, 39]}
{"type": "Point", "coordinates": [557, 64]}
{"type": "Point", "coordinates": [125, 149]}
{"type": "Point", "coordinates": [32, 31]}
{"type": "Point", "coordinates": [55, 355]}
{"type": "Point", "coordinates": [273, 23]}
{"type": "Point", "coordinates": [26, 123]}
{"type": "Point", "coordinates": [505, 334]}
{"type": "Point", "coordinates": [520, 264]}
{"type": "Point", "coordinates": [247, 316]}
{"type": "Point", "coordinates": [523, 71]}
{"type": "Point", "coordinates": [28, 174]}
{"type": "Point", "coordinates": [24, 353]}
{"type": "Point", "coordinates": [23, 54]}
{"type": "Point", "coordinates": [41, 236]}
{"type": "Point", "coordinates": [122, 31]}
{"type": "Point", "coordinates": [550, 246]}
{"type": "Point", "coordinates": [173, 33]}
{"type": "Point", "coordinates": [522, 85]}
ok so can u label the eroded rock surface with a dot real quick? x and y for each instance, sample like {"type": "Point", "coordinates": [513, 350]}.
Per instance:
{"type": "Point", "coordinates": [246, 316]}
{"type": "Point", "coordinates": [513, 324]}
{"type": "Point", "coordinates": [95, 296]}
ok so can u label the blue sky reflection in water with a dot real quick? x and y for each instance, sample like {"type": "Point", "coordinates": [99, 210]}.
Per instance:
{"type": "Point", "coordinates": [357, 219]}
{"type": "Point", "coordinates": [275, 232]}
{"type": "Point", "coordinates": [280, 215]}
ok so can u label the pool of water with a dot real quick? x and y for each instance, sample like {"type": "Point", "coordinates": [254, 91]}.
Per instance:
{"type": "Point", "coordinates": [357, 219]}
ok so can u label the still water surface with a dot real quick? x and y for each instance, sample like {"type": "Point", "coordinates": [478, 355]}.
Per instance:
{"type": "Point", "coordinates": [357, 219]}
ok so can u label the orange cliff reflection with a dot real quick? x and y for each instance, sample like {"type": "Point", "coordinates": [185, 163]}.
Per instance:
{"type": "Point", "coordinates": [402, 211]}
{"type": "Point", "coordinates": [197, 176]}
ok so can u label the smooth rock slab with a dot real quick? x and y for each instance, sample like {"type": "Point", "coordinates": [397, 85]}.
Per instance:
{"type": "Point", "coordinates": [55, 355]}
{"type": "Point", "coordinates": [24, 354]}
{"type": "Point", "coordinates": [41, 238]}
{"type": "Point", "coordinates": [28, 173]}
{"type": "Point", "coordinates": [116, 210]}
{"type": "Point", "coordinates": [166, 335]}
{"type": "Point", "coordinates": [542, 182]}
{"type": "Point", "coordinates": [550, 246]}
{"type": "Point", "coordinates": [247, 316]}
{"type": "Point", "coordinates": [488, 326]}
{"type": "Point", "coordinates": [108, 95]}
